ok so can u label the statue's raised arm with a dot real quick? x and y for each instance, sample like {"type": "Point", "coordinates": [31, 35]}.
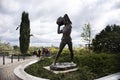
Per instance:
{"type": "Point", "coordinates": [59, 23]}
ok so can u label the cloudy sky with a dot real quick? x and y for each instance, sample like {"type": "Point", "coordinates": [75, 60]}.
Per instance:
{"type": "Point", "coordinates": [43, 15]}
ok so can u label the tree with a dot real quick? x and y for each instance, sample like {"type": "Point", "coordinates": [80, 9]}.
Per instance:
{"type": "Point", "coordinates": [24, 38]}
{"type": "Point", "coordinates": [5, 47]}
{"type": "Point", "coordinates": [15, 47]}
{"type": "Point", "coordinates": [108, 40]}
{"type": "Point", "coordinates": [86, 35]}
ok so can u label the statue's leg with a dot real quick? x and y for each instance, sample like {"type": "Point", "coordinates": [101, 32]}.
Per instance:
{"type": "Point", "coordinates": [71, 50]}
{"type": "Point", "coordinates": [62, 45]}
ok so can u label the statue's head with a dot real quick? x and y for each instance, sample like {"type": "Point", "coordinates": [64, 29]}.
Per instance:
{"type": "Point", "coordinates": [60, 21]}
{"type": "Point", "coordinates": [67, 19]}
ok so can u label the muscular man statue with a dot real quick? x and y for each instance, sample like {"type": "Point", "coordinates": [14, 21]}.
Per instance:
{"type": "Point", "coordinates": [66, 38]}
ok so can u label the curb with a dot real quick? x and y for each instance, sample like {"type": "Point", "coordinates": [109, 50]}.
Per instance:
{"type": "Point", "coordinates": [19, 72]}
{"type": "Point", "coordinates": [115, 76]}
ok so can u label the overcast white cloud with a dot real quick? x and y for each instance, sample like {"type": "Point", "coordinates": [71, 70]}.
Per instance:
{"type": "Point", "coordinates": [43, 15]}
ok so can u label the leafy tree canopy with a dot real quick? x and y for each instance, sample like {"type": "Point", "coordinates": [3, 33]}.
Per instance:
{"type": "Point", "coordinates": [108, 40]}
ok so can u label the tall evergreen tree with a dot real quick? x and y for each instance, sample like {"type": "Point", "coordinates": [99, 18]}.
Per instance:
{"type": "Point", "coordinates": [24, 38]}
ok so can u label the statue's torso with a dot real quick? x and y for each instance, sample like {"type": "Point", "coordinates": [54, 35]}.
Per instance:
{"type": "Point", "coordinates": [66, 33]}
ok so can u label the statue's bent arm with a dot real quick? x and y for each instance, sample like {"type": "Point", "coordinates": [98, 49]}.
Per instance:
{"type": "Point", "coordinates": [59, 31]}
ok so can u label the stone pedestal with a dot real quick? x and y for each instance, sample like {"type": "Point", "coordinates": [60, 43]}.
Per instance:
{"type": "Point", "coordinates": [63, 66]}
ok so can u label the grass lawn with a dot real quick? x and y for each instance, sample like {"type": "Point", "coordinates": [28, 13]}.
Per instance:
{"type": "Point", "coordinates": [90, 66]}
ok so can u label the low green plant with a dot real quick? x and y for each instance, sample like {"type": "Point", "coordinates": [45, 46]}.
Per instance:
{"type": "Point", "coordinates": [100, 64]}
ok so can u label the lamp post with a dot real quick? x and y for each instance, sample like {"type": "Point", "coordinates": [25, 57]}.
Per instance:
{"type": "Point", "coordinates": [12, 56]}
{"type": "Point", "coordinates": [3, 59]}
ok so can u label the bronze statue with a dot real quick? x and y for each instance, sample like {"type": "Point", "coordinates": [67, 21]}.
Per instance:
{"type": "Point", "coordinates": [66, 38]}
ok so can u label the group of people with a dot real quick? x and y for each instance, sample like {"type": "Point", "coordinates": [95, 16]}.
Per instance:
{"type": "Point", "coordinates": [43, 52]}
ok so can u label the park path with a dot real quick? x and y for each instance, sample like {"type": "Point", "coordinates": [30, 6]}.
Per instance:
{"type": "Point", "coordinates": [7, 71]}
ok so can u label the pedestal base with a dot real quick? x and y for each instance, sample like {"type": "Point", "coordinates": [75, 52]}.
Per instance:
{"type": "Point", "coordinates": [63, 66]}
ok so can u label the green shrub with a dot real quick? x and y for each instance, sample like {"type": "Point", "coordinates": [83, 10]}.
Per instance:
{"type": "Point", "coordinates": [100, 64]}
{"type": "Point", "coordinates": [53, 50]}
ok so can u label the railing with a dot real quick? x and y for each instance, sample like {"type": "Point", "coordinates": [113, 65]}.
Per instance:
{"type": "Point", "coordinates": [10, 59]}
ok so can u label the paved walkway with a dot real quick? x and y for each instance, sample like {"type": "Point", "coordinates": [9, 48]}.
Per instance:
{"type": "Point", "coordinates": [6, 71]}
